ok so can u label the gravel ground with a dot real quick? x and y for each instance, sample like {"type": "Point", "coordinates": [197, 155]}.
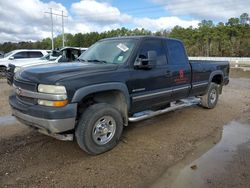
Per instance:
{"type": "Point", "coordinates": [146, 151]}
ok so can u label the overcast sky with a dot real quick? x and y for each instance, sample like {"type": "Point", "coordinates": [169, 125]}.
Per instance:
{"type": "Point", "coordinates": [25, 20]}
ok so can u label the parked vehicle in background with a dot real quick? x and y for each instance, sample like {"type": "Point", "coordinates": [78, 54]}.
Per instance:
{"type": "Point", "coordinates": [1, 54]}
{"type": "Point", "coordinates": [17, 55]}
{"type": "Point", "coordinates": [119, 80]}
{"type": "Point", "coordinates": [67, 54]}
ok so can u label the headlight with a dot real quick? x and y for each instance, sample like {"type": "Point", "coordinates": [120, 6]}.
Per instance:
{"type": "Point", "coordinates": [51, 89]}
{"type": "Point", "coordinates": [17, 69]}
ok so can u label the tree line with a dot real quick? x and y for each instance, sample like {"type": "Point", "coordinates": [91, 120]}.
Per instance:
{"type": "Point", "coordinates": [230, 39]}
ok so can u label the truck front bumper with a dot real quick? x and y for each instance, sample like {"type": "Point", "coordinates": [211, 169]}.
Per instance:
{"type": "Point", "coordinates": [50, 119]}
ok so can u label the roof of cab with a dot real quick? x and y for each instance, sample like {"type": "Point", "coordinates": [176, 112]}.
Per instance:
{"type": "Point", "coordinates": [140, 37]}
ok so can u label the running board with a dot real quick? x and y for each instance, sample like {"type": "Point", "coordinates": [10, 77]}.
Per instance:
{"type": "Point", "coordinates": [173, 106]}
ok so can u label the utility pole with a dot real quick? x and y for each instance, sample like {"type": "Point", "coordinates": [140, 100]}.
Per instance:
{"type": "Point", "coordinates": [62, 30]}
{"type": "Point", "coordinates": [52, 27]}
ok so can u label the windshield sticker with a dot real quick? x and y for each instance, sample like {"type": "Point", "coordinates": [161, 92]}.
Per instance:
{"type": "Point", "coordinates": [120, 58]}
{"type": "Point", "coordinates": [122, 47]}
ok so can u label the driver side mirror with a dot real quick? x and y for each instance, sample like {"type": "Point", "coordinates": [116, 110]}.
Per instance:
{"type": "Point", "coordinates": [146, 63]}
{"type": "Point", "coordinates": [11, 58]}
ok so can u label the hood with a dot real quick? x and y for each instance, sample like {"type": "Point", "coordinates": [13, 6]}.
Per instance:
{"type": "Point", "coordinates": [3, 59]}
{"type": "Point", "coordinates": [51, 73]}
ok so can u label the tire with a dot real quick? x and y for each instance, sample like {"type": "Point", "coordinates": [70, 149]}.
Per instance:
{"type": "Point", "coordinates": [211, 98]}
{"type": "Point", "coordinates": [99, 129]}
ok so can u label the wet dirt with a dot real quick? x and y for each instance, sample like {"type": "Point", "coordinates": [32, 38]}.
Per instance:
{"type": "Point", "coordinates": [146, 151]}
{"type": "Point", "coordinates": [227, 164]}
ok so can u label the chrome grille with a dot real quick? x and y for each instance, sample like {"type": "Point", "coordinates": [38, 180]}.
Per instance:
{"type": "Point", "coordinates": [26, 86]}
{"type": "Point", "coordinates": [11, 68]}
{"type": "Point", "coordinates": [26, 100]}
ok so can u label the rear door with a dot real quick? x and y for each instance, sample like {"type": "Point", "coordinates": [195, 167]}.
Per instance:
{"type": "Point", "coordinates": [180, 76]}
{"type": "Point", "coordinates": [150, 87]}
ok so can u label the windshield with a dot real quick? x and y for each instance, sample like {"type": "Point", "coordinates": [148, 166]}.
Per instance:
{"type": "Point", "coordinates": [8, 54]}
{"type": "Point", "coordinates": [109, 51]}
{"type": "Point", "coordinates": [46, 57]}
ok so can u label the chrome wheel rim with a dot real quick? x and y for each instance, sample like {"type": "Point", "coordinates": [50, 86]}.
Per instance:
{"type": "Point", "coordinates": [213, 96]}
{"type": "Point", "coordinates": [104, 130]}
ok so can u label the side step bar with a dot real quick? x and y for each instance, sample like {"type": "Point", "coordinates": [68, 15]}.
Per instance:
{"type": "Point", "coordinates": [173, 106]}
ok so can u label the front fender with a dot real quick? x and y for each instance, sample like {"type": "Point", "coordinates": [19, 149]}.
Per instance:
{"type": "Point", "coordinates": [83, 92]}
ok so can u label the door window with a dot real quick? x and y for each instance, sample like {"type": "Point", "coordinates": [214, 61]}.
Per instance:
{"type": "Point", "coordinates": [176, 52]}
{"type": "Point", "coordinates": [35, 54]}
{"type": "Point", "coordinates": [155, 45]}
{"type": "Point", "coordinates": [20, 55]}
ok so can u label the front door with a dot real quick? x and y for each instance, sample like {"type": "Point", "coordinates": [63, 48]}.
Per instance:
{"type": "Point", "coordinates": [180, 69]}
{"type": "Point", "coordinates": [150, 87]}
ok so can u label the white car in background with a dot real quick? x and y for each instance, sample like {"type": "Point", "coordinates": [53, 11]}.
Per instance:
{"type": "Point", "coordinates": [31, 62]}
{"type": "Point", "coordinates": [18, 55]}
{"type": "Point", "coordinates": [66, 54]}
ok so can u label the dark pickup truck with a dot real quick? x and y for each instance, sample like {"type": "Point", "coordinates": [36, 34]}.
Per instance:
{"type": "Point", "coordinates": [118, 80]}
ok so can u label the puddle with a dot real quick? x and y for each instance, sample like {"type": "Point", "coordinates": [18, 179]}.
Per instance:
{"type": "Point", "coordinates": [224, 165]}
{"type": "Point", "coordinates": [7, 120]}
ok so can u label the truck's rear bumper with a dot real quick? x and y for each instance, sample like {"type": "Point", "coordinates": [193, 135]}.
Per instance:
{"type": "Point", "coordinates": [53, 120]}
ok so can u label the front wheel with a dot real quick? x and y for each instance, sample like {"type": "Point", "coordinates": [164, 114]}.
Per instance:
{"type": "Point", "coordinates": [99, 129]}
{"type": "Point", "coordinates": [211, 98]}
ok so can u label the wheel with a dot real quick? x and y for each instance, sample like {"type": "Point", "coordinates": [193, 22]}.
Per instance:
{"type": "Point", "coordinates": [99, 129]}
{"type": "Point", "coordinates": [2, 71]}
{"type": "Point", "coordinates": [211, 98]}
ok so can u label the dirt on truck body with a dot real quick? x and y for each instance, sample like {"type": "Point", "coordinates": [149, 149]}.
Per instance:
{"type": "Point", "coordinates": [148, 149]}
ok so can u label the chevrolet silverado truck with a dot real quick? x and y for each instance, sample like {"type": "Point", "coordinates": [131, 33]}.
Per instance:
{"type": "Point", "coordinates": [116, 81]}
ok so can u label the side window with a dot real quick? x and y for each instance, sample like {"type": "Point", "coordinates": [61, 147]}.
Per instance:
{"type": "Point", "coordinates": [155, 45]}
{"type": "Point", "coordinates": [35, 54]}
{"type": "Point", "coordinates": [76, 54]}
{"type": "Point", "coordinates": [176, 52]}
{"type": "Point", "coordinates": [20, 55]}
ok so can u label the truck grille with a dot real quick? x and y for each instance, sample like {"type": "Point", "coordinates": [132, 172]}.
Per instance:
{"type": "Point", "coordinates": [11, 68]}
{"type": "Point", "coordinates": [26, 100]}
{"type": "Point", "coordinates": [26, 86]}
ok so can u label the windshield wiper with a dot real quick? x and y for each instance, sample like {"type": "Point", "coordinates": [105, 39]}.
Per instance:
{"type": "Point", "coordinates": [96, 61]}
{"type": "Point", "coordinates": [81, 60]}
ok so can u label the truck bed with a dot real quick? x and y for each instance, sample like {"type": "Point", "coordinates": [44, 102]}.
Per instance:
{"type": "Point", "coordinates": [202, 69]}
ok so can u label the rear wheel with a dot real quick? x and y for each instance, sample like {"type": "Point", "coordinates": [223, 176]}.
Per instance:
{"type": "Point", "coordinates": [211, 98]}
{"type": "Point", "coordinates": [99, 129]}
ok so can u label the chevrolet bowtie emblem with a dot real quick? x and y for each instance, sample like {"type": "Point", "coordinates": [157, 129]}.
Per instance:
{"type": "Point", "coordinates": [18, 91]}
